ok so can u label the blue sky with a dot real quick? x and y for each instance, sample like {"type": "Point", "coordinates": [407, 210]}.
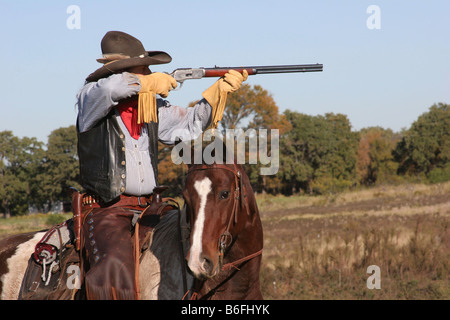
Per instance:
{"type": "Point", "coordinates": [383, 77]}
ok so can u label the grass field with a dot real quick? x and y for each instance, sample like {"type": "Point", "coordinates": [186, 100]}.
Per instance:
{"type": "Point", "coordinates": [319, 247]}
{"type": "Point", "coordinates": [34, 222]}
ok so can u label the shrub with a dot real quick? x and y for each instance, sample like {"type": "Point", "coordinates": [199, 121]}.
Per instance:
{"type": "Point", "coordinates": [54, 219]}
{"type": "Point", "coordinates": [438, 175]}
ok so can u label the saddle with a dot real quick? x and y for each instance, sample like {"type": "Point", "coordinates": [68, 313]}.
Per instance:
{"type": "Point", "coordinates": [34, 287]}
{"type": "Point", "coordinates": [62, 279]}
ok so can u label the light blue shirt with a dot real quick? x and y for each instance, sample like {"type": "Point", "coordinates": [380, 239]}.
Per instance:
{"type": "Point", "coordinates": [95, 101]}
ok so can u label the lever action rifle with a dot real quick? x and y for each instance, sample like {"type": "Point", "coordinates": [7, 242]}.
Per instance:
{"type": "Point", "coordinates": [183, 74]}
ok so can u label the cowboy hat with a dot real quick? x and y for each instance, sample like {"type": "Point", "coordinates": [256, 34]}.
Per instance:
{"type": "Point", "coordinates": [121, 51]}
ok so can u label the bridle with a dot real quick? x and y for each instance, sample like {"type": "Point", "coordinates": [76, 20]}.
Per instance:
{"type": "Point", "coordinates": [239, 198]}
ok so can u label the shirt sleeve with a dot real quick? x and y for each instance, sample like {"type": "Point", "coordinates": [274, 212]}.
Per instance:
{"type": "Point", "coordinates": [96, 99]}
{"type": "Point", "coordinates": [183, 123]}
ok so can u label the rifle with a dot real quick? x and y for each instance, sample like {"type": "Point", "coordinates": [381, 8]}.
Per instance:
{"type": "Point", "coordinates": [183, 74]}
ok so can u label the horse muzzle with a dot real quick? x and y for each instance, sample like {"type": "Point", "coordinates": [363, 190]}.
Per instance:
{"type": "Point", "coordinates": [204, 267]}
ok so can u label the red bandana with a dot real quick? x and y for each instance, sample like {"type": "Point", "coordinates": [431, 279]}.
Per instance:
{"type": "Point", "coordinates": [129, 113]}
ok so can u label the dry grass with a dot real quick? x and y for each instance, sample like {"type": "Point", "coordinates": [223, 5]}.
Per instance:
{"type": "Point", "coordinates": [322, 250]}
{"type": "Point", "coordinates": [320, 247]}
{"type": "Point", "coordinates": [29, 223]}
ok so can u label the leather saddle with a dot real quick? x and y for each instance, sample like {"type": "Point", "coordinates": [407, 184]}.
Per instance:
{"type": "Point", "coordinates": [60, 282]}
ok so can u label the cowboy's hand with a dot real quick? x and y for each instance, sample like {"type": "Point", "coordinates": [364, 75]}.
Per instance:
{"type": "Point", "coordinates": [216, 95]}
{"type": "Point", "coordinates": [232, 80]}
{"type": "Point", "coordinates": [159, 83]}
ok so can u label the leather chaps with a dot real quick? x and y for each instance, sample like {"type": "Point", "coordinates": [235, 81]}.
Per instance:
{"type": "Point", "coordinates": [109, 254]}
{"type": "Point", "coordinates": [108, 248]}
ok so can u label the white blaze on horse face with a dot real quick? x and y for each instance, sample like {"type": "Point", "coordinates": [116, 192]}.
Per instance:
{"type": "Point", "coordinates": [203, 188]}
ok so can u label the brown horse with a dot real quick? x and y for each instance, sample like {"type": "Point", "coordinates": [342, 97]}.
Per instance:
{"type": "Point", "coordinates": [226, 232]}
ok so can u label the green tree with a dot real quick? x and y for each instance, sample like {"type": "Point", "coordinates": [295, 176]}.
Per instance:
{"type": "Point", "coordinates": [299, 158]}
{"type": "Point", "coordinates": [426, 145]}
{"type": "Point", "coordinates": [375, 159]}
{"type": "Point", "coordinates": [318, 153]}
{"type": "Point", "coordinates": [60, 168]}
{"type": "Point", "coordinates": [19, 163]}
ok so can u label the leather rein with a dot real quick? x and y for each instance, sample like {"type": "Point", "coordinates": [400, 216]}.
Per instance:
{"type": "Point", "coordinates": [239, 197]}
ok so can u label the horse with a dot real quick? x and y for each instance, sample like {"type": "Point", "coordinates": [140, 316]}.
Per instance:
{"type": "Point", "coordinates": [15, 251]}
{"type": "Point", "coordinates": [221, 235]}
{"type": "Point", "coordinates": [226, 237]}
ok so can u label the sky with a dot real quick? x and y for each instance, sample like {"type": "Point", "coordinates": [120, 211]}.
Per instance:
{"type": "Point", "coordinates": [382, 67]}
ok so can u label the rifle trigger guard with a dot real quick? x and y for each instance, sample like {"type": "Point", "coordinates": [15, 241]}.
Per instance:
{"type": "Point", "coordinates": [180, 85]}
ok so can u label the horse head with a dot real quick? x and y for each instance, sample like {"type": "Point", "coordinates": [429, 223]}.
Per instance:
{"type": "Point", "coordinates": [221, 209]}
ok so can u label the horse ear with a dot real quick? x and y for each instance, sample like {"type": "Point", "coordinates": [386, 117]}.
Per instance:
{"type": "Point", "coordinates": [248, 200]}
{"type": "Point", "coordinates": [243, 196]}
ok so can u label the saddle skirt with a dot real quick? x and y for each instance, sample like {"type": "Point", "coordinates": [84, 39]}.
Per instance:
{"type": "Point", "coordinates": [161, 238]}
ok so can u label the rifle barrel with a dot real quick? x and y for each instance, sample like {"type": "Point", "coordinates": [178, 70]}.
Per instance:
{"type": "Point", "coordinates": [252, 70]}
{"type": "Point", "coordinates": [289, 68]}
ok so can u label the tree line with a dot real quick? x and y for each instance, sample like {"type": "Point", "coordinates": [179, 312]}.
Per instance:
{"type": "Point", "coordinates": [317, 155]}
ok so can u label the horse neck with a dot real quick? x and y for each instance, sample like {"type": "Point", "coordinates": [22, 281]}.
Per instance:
{"type": "Point", "coordinates": [248, 241]}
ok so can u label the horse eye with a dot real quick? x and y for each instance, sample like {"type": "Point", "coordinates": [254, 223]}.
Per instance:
{"type": "Point", "coordinates": [224, 195]}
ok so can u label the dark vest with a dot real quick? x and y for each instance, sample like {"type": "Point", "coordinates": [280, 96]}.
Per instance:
{"type": "Point", "coordinates": [101, 152]}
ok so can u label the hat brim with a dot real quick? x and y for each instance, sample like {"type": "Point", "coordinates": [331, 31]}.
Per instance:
{"type": "Point", "coordinates": [153, 58]}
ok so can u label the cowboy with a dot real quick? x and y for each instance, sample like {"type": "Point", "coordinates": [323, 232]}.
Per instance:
{"type": "Point", "coordinates": [120, 121]}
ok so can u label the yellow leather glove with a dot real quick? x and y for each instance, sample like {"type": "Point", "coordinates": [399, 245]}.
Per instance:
{"type": "Point", "coordinates": [151, 85]}
{"type": "Point", "coordinates": [216, 95]}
